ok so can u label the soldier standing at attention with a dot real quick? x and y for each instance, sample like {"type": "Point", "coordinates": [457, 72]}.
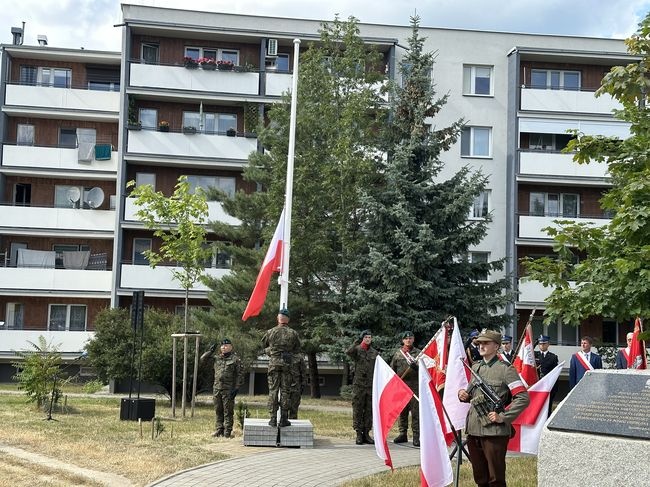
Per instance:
{"type": "Point", "coordinates": [363, 355]}
{"type": "Point", "coordinates": [300, 379]}
{"type": "Point", "coordinates": [546, 361]}
{"type": "Point", "coordinates": [405, 365]}
{"type": "Point", "coordinates": [281, 344]}
{"type": "Point", "coordinates": [228, 378]}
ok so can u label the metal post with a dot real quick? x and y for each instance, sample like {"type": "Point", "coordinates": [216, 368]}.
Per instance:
{"type": "Point", "coordinates": [184, 400]}
{"type": "Point", "coordinates": [196, 372]}
{"type": "Point", "coordinates": [173, 376]}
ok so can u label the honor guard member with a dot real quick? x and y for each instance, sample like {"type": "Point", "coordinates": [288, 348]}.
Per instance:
{"type": "Point", "coordinates": [405, 365]}
{"type": "Point", "coordinates": [300, 379]}
{"type": "Point", "coordinates": [507, 353]}
{"type": "Point", "coordinates": [489, 431]}
{"type": "Point", "coordinates": [545, 362]}
{"type": "Point", "coordinates": [583, 361]}
{"type": "Point", "coordinates": [363, 356]}
{"type": "Point", "coordinates": [624, 353]}
{"type": "Point", "coordinates": [281, 344]}
{"type": "Point", "coordinates": [471, 347]}
{"type": "Point", "coordinates": [228, 378]}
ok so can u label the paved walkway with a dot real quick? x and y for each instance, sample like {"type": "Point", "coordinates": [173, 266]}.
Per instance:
{"type": "Point", "coordinates": [329, 463]}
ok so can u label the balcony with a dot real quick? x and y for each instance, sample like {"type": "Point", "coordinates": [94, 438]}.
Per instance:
{"type": "Point", "coordinates": [569, 101]}
{"type": "Point", "coordinates": [534, 292]}
{"type": "Point", "coordinates": [54, 159]}
{"type": "Point", "coordinates": [531, 226]}
{"type": "Point", "coordinates": [278, 83]}
{"type": "Point", "coordinates": [38, 280]}
{"type": "Point", "coordinates": [215, 212]}
{"type": "Point", "coordinates": [161, 278]}
{"type": "Point", "coordinates": [166, 144]}
{"type": "Point", "coordinates": [39, 220]}
{"type": "Point", "coordinates": [68, 342]}
{"type": "Point", "coordinates": [556, 164]}
{"type": "Point", "coordinates": [49, 98]}
{"type": "Point", "coordinates": [183, 79]}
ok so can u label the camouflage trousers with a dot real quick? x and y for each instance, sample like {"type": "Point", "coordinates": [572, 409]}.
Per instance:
{"type": "Point", "coordinates": [224, 408]}
{"type": "Point", "coordinates": [361, 408]}
{"type": "Point", "coordinates": [414, 409]}
{"type": "Point", "coordinates": [282, 381]}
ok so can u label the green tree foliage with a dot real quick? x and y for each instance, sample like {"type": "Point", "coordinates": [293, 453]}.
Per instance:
{"type": "Point", "coordinates": [614, 278]}
{"type": "Point", "coordinates": [179, 221]}
{"type": "Point", "coordinates": [338, 114]}
{"type": "Point", "coordinates": [37, 371]}
{"type": "Point", "coordinates": [415, 271]}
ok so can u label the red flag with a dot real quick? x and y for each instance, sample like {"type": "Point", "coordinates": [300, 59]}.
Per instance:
{"type": "Point", "coordinates": [435, 467]}
{"type": "Point", "coordinates": [272, 263]}
{"type": "Point", "coordinates": [637, 357]}
{"type": "Point", "coordinates": [390, 395]}
{"type": "Point", "coordinates": [435, 356]}
{"type": "Point", "coordinates": [525, 360]}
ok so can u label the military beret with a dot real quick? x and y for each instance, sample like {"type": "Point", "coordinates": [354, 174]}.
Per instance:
{"type": "Point", "coordinates": [225, 341]}
{"type": "Point", "coordinates": [407, 334]}
{"type": "Point", "coordinates": [364, 333]}
{"type": "Point", "coordinates": [474, 333]}
{"type": "Point", "coordinates": [490, 336]}
{"type": "Point", "coordinates": [285, 312]}
{"type": "Point", "coordinates": [544, 339]}
{"type": "Point", "coordinates": [506, 338]}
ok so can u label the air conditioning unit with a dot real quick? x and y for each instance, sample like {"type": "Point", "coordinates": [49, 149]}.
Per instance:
{"type": "Point", "coordinates": [272, 47]}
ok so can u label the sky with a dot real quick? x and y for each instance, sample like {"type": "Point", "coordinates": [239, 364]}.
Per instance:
{"type": "Point", "coordinates": [89, 23]}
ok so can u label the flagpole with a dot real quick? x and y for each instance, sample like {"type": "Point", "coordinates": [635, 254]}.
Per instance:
{"type": "Point", "coordinates": [286, 243]}
{"type": "Point", "coordinates": [521, 338]}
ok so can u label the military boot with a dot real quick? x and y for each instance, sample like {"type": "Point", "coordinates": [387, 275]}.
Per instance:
{"type": "Point", "coordinates": [359, 440]}
{"type": "Point", "coordinates": [367, 439]}
{"type": "Point", "coordinates": [402, 438]}
{"type": "Point", "coordinates": [416, 440]}
{"type": "Point", "coordinates": [273, 422]}
{"type": "Point", "coordinates": [227, 434]}
{"type": "Point", "coordinates": [218, 433]}
{"type": "Point", "coordinates": [284, 419]}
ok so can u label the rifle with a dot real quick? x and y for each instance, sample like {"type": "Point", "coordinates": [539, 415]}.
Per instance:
{"type": "Point", "coordinates": [494, 401]}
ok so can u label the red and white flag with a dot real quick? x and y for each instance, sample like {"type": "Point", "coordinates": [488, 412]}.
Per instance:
{"type": "Point", "coordinates": [455, 380]}
{"type": "Point", "coordinates": [435, 356]}
{"type": "Point", "coordinates": [529, 424]}
{"type": "Point", "coordinates": [272, 263]}
{"type": "Point", "coordinates": [435, 467]}
{"type": "Point", "coordinates": [390, 395]}
{"type": "Point", "coordinates": [525, 360]}
{"type": "Point", "coordinates": [637, 358]}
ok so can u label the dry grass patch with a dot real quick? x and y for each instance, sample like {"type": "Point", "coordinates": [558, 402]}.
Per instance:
{"type": "Point", "coordinates": [18, 473]}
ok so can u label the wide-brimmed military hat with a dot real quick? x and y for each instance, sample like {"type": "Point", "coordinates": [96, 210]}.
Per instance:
{"type": "Point", "coordinates": [490, 336]}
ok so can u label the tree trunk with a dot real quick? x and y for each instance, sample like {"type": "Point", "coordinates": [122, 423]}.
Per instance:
{"type": "Point", "coordinates": [313, 375]}
{"type": "Point", "coordinates": [187, 296]}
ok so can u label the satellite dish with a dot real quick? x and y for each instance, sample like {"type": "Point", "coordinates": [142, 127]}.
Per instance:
{"type": "Point", "coordinates": [74, 195]}
{"type": "Point", "coordinates": [95, 197]}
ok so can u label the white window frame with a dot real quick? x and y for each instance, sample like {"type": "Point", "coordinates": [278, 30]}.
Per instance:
{"type": "Point", "coordinates": [47, 79]}
{"type": "Point", "coordinates": [219, 52]}
{"type": "Point", "coordinates": [272, 63]}
{"type": "Point", "coordinates": [152, 46]}
{"type": "Point", "coordinates": [133, 249]}
{"type": "Point", "coordinates": [477, 206]}
{"type": "Point", "coordinates": [146, 110]}
{"type": "Point", "coordinates": [549, 79]}
{"type": "Point", "coordinates": [10, 316]}
{"type": "Point", "coordinates": [471, 256]}
{"type": "Point", "coordinates": [67, 315]}
{"type": "Point", "coordinates": [560, 199]}
{"type": "Point", "coordinates": [142, 178]}
{"type": "Point", "coordinates": [196, 180]}
{"type": "Point", "coordinates": [469, 80]}
{"type": "Point", "coordinates": [189, 119]}
{"type": "Point", "coordinates": [28, 133]}
{"type": "Point", "coordinates": [68, 203]}
{"type": "Point", "coordinates": [472, 137]}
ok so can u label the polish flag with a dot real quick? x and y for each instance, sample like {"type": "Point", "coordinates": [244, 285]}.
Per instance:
{"type": "Point", "coordinates": [435, 355]}
{"type": "Point", "coordinates": [456, 379]}
{"type": "Point", "coordinates": [637, 358]}
{"type": "Point", "coordinates": [524, 362]}
{"type": "Point", "coordinates": [390, 395]}
{"type": "Point", "coordinates": [272, 263]}
{"type": "Point", "coordinates": [435, 467]}
{"type": "Point", "coordinates": [529, 424]}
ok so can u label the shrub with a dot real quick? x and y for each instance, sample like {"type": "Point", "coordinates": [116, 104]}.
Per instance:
{"type": "Point", "coordinates": [38, 372]}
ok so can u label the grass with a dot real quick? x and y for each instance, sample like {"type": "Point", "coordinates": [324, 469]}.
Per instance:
{"type": "Point", "coordinates": [18, 473]}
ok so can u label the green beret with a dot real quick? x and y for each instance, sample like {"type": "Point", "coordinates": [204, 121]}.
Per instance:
{"type": "Point", "coordinates": [407, 334]}
{"type": "Point", "coordinates": [285, 312]}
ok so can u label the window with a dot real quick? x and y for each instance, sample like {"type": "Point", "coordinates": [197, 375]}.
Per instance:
{"type": "Point", "coordinates": [555, 79]}
{"type": "Point", "coordinates": [14, 316]}
{"type": "Point", "coordinates": [57, 77]}
{"type": "Point", "coordinates": [149, 117]}
{"type": "Point", "coordinates": [481, 206]}
{"type": "Point", "coordinates": [68, 137]}
{"type": "Point", "coordinates": [554, 204]}
{"type": "Point", "coordinates": [66, 196]}
{"type": "Point", "coordinates": [103, 86]}
{"type": "Point", "coordinates": [67, 317]}
{"type": "Point", "coordinates": [477, 80]}
{"type": "Point", "coordinates": [476, 142]}
{"type": "Point", "coordinates": [24, 134]}
{"type": "Point", "coordinates": [142, 178]}
{"type": "Point", "coordinates": [23, 194]}
{"type": "Point", "coordinates": [149, 53]}
{"type": "Point", "coordinates": [213, 123]}
{"type": "Point", "coordinates": [60, 248]}
{"type": "Point", "coordinates": [28, 75]}
{"type": "Point", "coordinates": [225, 184]}
{"type": "Point", "coordinates": [548, 142]}
{"type": "Point", "coordinates": [278, 63]}
{"type": "Point", "coordinates": [231, 55]}
{"type": "Point", "coordinates": [140, 245]}
{"type": "Point", "coordinates": [192, 119]}
{"type": "Point", "coordinates": [480, 258]}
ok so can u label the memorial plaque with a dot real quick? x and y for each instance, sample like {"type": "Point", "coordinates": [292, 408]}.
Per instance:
{"type": "Point", "coordinates": [607, 404]}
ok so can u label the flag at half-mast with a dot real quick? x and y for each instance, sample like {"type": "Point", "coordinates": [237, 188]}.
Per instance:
{"type": "Point", "coordinates": [524, 362]}
{"type": "Point", "coordinates": [637, 358]}
{"type": "Point", "coordinates": [272, 263]}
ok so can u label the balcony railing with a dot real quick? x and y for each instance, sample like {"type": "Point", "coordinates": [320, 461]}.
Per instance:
{"type": "Point", "coordinates": [37, 279]}
{"type": "Point", "coordinates": [67, 342]}
{"type": "Point", "coordinates": [531, 226]}
{"type": "Point", "coordinates": [54, 158]}
{"type": "Point", "coordinates": [62, 219]}
{"type": "Point", "coordinates": [570, 101]}
{"type": "Point", "coordinates": [49, 98]}
{"type": "Point", "coordinates": [215, 212]}
{"type": "Point", "coordinates": [161, 278]}
{"type": "Point", "coordinates": [557, 164]}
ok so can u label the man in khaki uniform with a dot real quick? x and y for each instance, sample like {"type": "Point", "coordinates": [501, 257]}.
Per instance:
{"type": "Point", "coordinates": [228, 378]}
{"type": "Point", "coordinates": [488, 431]}
{"type": "Point", "coordinates": [300, 378]}
{"type": "Point", "coordinates": [405, 365]}
{"type": "Point", "coordinates": [363, 355]}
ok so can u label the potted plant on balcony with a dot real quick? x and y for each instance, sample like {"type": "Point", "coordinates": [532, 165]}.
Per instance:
{"type": "Point", "coordinates": [225, 65]}
{"type": "Point", "coordinates": [188, 129]}
{"type": "Point", "coordinates": [163, 126]}
{"type": "Point", "coordinates": [208, 63]}
{"type": "Point", "coordinates": [133, 125]}
{"type": "Point", "coordinates": [231, 132]}
{"type": "Point", "coordinates": [190, 62]}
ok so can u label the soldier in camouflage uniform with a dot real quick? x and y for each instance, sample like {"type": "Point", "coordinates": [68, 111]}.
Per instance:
{"type": "Point", "coordinates": [488, 432]}
{"type": "Point", "coordinates": [299, 370]}
{"type": "Point", "coordinates": [363, 355]}
{"type": "Point", "coordinates": [281, 344]}
{"type": "Point", "coordinates": [405, 365]}
{"type": "Point", "coordinates": [228, 378]}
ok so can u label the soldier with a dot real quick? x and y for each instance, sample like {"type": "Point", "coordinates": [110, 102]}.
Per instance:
{"type": "Point", "coordinates": [299, 370]}
{"type": "Point", "coordinates": [471, 347]}
{"type": "Point", "coordinates": [363, 355]}
{"type": "Point", "coordinates": [228, 378]}
{"type": "Point", "coordinates": [507, 353]}
{"type": "Point", "coordinates": [488, 432]}
{"type": "Point", "coordinates": [405, 365]}
{"type": "Point", "coordinates": [545, 362]}
{"type": "Point", "coordinates": [281, 344]}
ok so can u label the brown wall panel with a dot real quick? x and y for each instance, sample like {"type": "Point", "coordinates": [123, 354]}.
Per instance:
{"type": "Point", "coordinates": [589, 198]}
{"type": "Point", "coordinates": [36, 309]}
{"type": "Point", "coordinates": [43, 189]}
{"type": "Point", "coordinates": [46, 131]}
{"type": "Point", "coordinates": [591, 75]}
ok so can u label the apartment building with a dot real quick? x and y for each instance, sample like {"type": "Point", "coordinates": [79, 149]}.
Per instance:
{"type": "Point", "coordinates": [183, 98]}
